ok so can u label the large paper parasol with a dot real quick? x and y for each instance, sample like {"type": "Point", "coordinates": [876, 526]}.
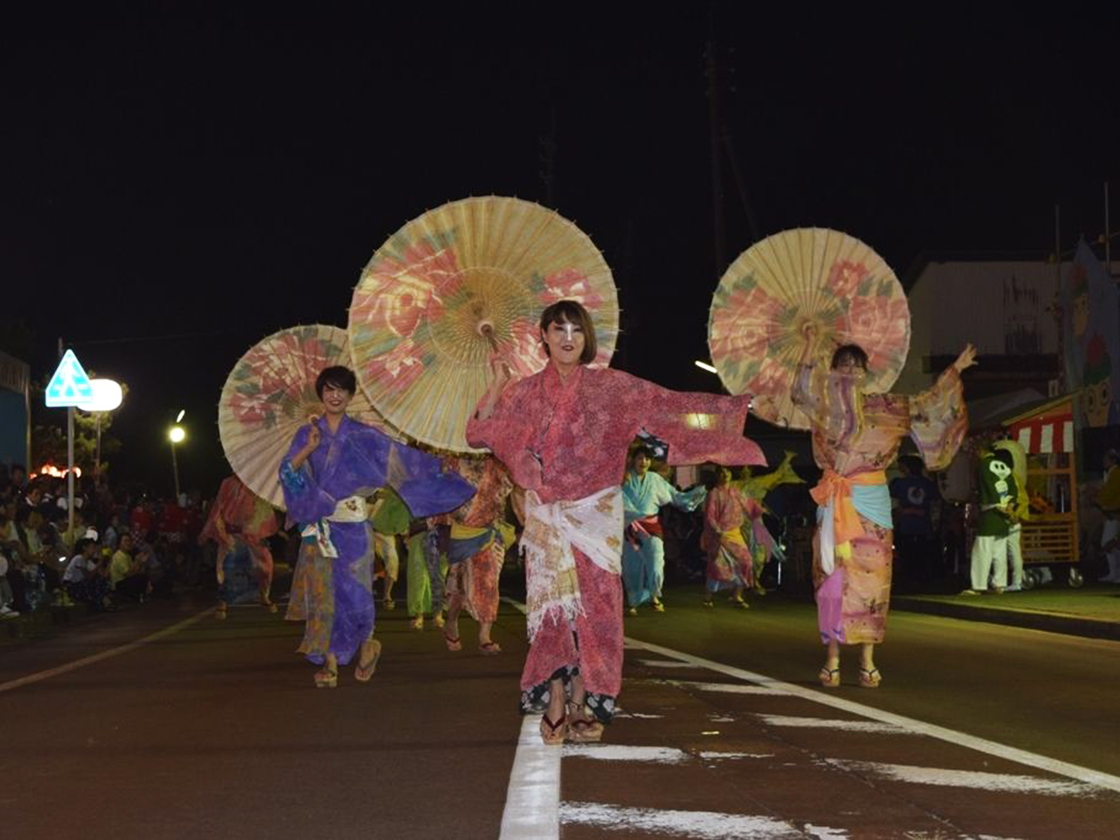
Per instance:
{"type": "Point", "coordinates": [780, 286]}
{"type": "Point", "coordinates": [270, 393]}
{"type": "Point", "coordinates": [452, 287]}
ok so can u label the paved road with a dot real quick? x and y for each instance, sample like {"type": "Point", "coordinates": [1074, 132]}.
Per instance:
{"type": "Point", "coordinates": [214, 727]}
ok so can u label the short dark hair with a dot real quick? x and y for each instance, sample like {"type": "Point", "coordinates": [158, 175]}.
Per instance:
{"type": "Point", "coordinates": [643, 449]}
{"type": "Point", "coordinates": [857, 353]}
{"type": "Point", "coordinates": [339, 376]}
{"type": "Point", "coordinates": [572, 312]}
{"type": "Point", "coordinates": [81, 544]}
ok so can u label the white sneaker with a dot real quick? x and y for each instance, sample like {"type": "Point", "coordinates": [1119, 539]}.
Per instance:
{"type": "Point", "coordinates": [8, 612]}
{"type": "Point", "coordinates": [1014, 588]}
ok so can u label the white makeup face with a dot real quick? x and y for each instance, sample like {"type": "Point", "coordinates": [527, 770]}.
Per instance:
{"type": "Point", "coordinates": [565, 342]}
{"type": "Point", "coordinates": [335, 399]}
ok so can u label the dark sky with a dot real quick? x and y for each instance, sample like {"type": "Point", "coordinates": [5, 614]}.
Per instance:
{"type": "Point", "coordinates": [175, 185]}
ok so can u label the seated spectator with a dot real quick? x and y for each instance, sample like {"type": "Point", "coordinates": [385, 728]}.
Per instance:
{"type": "Point", "coordinates": [128, 571]}
{"type": "Point", "coordinates": [71, 536]}
{"type": "Point", "coordinates": [113, 532]}
{"type": "Point", "coordinates": [86, 577]}
{"type": "Point", "coordinates": [6, 609]}
{"type": "Point", "coordinates": [16, 552]}
{"type": "Point", "coordinates": [40, 549]}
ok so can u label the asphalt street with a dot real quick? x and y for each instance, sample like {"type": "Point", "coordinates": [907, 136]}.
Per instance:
{"type": "Point", "coordinates": [165, 722]}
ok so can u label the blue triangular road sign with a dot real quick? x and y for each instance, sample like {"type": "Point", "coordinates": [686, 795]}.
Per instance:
{"type": "Point", "coordinates": [70, 384]}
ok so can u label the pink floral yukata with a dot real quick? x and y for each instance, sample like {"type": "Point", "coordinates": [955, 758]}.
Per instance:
{"type": "Point", "coordinates": [479, 537]}
{"type": "Point", "coordinates": [564, 441]}
{"type": "Point", "coordinates": [731, 551]}
{"type": "Point", "coordinates": [855, 438]}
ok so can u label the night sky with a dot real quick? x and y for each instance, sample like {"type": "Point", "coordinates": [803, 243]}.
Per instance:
{"type": "Point", "coordinates": [175, 185]}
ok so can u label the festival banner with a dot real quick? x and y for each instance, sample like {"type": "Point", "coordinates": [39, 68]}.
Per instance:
{"type": "Point", "coordinates": [1091, 338]}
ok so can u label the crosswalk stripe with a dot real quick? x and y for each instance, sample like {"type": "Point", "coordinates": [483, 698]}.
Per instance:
{"type": "Point", "coordinates": [725, 688]}
{"type": "Point", "coordinates": [1002, 782]}
{"type": "Point", "coordinates": [665, 663]}
{"type": "Point", "coordinates": [825, 723]}
{"type": "Point", "coordinates": [942, 733]}
{"type": "Point", "coordinates": [706, 825]}
{"type": "Point", "coordinates": [622, 752]}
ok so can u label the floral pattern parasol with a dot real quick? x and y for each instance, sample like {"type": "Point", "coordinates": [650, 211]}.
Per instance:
{"type": "Point", "coordinates": [270, 393]}
{"type": "Point", "coordinates": [456, 285]}
{"type": "Point", "coordinates": [780, 286]}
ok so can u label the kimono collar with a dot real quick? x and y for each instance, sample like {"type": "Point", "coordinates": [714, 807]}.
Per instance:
{"type": "Point", "coordinates": [325, 428]}
{"type": "Point", "coordinates": [556, 384]}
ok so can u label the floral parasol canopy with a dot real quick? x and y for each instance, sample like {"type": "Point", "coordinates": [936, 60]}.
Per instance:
{"type": "Point", "coordinates": [457, 285]}
{"type": "Point", "coordinates": [270, 393]}
{"type": "Point", "coordinates": [797, 282]}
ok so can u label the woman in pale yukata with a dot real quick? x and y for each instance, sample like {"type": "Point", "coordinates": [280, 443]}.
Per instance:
{"type": "Point", "coordinates": [644, 492]}
{"type": "Point", "coordinates": [856, 436]}
{"type": "Point", "coordinates": [563, 434]}
{"type": "Point", "coordinates": [333, 465]}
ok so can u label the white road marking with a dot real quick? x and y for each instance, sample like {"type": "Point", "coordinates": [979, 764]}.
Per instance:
{"type": "Point", "coordinates": [621, 752]}
{"type": "Point", "coordinates": [725, 688]}
{"type": "Point", "coordinates": [1001, 782]}
{"type": "Point", "coordinates": [823, 723]}
{"type": "Point", "coordinates": [39, 676]}
{"type": "Point", "coordinates": [637, 715]}
{"type": "Point", "coordinates": [718, 756]}
{"type": "Point", "coordinates": [705, 825]}
{"type": "Point", "coordinates": [823, 832]}
{"type": "Point", "coordinates": [534, 812]}
{"type": "Point", "coordinates": [533, 797]}
{"type": "Point", "coordinates": [665, 663]}
{"type": "Point", "coordinates": [941, 733]}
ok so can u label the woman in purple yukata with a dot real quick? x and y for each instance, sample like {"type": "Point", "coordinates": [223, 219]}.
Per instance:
{"type": "Point", "coordinates": [333, 465]}
{"type": "Point", "coordinates": [564, 434]}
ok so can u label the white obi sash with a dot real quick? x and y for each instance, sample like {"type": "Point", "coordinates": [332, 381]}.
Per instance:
{"type": "Point", "coordinates": [593, 525]}
{"type": "Point", "coordinates": [350, 509]}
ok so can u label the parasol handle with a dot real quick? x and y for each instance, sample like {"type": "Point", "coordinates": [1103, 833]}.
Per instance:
{"type": "Point", "coordinates": [486, 330]}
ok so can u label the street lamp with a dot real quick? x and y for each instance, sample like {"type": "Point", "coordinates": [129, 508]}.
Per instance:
{"type": "Point", "coordinates": [107, 396]}
{"type": "Point", "coordinates": [176, 434]}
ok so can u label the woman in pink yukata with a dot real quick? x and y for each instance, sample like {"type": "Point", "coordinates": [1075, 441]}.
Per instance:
{"type": "Point", "coordinates": [856, 436]}
{"type": "Point", "coordinates": [564, 434]}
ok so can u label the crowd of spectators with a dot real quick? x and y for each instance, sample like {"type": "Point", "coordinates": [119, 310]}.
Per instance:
{"type": "Point", "coordinates": [125, 546]}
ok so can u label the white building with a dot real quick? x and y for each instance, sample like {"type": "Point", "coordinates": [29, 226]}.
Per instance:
{"type": "Point", "coordinates": [1006, 307]}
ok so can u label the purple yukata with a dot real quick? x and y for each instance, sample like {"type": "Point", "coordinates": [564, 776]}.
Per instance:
{"type": "Point", "coordinates": [327, 496]}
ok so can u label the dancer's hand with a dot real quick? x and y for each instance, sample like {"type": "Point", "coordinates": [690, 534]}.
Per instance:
{"type": "Point", "coordinates": [501, 378]}
{"type": "Point", "coordinates": [501, 373]}
{"type": "Point", "coordinates": [314, 437]}
{"type": "Point", "coordinates": [811, 336]}
{"type": "Point", "coordinates": [966, 359]}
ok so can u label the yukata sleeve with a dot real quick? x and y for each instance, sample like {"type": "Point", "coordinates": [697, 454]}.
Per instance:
{"type": "Point", "coordinates": [688, 500]}
{"type": "Point", "coordinates": [939, 420]}
{"type": "Point", "coordinates": [419, 478]}
{"type": "Point", "coordinates": [506, 434]}
{"type": "Point", "coordinates": [305, 500]}
{"type": "Point", "coordinates": [808, 392]}
{"type": "Point", "coordinates": [698, 427]}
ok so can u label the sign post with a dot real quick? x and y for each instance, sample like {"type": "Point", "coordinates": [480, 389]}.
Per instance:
{"type": "Point", "coordinates": [69, 387]}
